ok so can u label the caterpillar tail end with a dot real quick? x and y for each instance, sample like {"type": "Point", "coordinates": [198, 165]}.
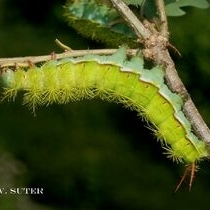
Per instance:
{"type": "Point", "coordinates": [190, 169]}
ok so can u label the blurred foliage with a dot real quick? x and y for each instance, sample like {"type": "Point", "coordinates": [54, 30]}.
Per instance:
{"type": "Point", "coordinates": [92, 155]}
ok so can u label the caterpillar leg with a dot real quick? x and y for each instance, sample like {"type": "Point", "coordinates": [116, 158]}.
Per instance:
{"type": "Point", "coordinates": [190, 169]}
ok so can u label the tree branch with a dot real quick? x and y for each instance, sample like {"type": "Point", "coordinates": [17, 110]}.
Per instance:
{"type": "Point", "coordinates": [24, 61]}
{"type": "Point", "coordinates": [163, 18]}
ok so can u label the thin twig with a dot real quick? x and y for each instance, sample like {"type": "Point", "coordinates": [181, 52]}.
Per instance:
{"type": "Point", "coordinates": [163, 18]}
{"type": "Point", "coordinates": [131, 19]}
{"type": "Point", "coordinates": [62, 46]}
{"type": "Point", "coordinates": [24, 61]}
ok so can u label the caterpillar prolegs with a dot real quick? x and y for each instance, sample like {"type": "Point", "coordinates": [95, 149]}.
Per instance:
{"type": "Point", "coordinates": [113, 78]}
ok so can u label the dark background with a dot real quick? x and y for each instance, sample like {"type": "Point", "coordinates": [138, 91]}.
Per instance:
{"type": "Point", "coordinates": [91, 154]}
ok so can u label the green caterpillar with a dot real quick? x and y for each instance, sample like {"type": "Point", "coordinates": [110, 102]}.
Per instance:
{"type": "Point", "coordinates": [99, 22]}
{"type": "Point", "coordinates": [113, 78]}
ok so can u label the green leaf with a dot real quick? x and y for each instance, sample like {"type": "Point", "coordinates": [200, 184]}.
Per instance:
{"type": "Point", "coordinates": [173, 6]}
{"type": "Point", "coordinates": [99, 22]}
{"type": "Point", "coordinates": [173, 10]}
{"type": "Point", "coordinates": [203, 4]}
